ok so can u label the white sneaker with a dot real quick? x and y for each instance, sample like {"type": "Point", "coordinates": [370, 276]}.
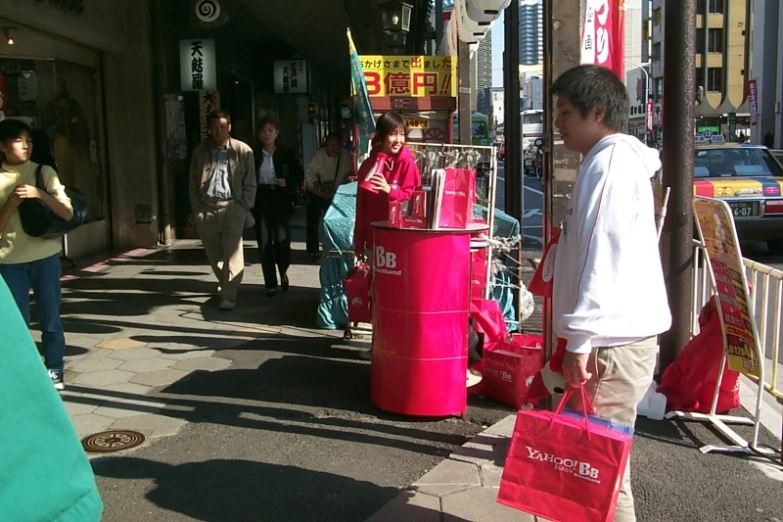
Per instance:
{"type": "Point", "coordinates": [227, 305]}
{"type": "Point", "coordinates": [57, 379]}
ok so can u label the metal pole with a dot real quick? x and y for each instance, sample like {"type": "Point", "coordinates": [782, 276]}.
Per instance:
{"type": "Point", "coordinates": [679, 85]}
{"type": "Point", "coordinates": [513, 127]}
{"type": "Point", "coordinates": [438, 24]}
{"type": "Point", "coordinates": [562, 30]}
{"type": "Point", "coordinates": [158, 13]}
{"type": "Point", "coordinates": [465, 126]}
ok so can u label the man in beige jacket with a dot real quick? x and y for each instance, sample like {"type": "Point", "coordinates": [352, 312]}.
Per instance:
{"type": "Point", "coordinates": [222, 192]}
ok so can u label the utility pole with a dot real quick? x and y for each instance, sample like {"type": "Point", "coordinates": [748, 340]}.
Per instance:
{"type": "Point", "coordinates": [679, 71]}
{"type": "Point", "coordinates": [562, 30]}
{"type": "Point", "coordinates": [513, 127]}
{"type": "Point", "coordinates": [465, 125]}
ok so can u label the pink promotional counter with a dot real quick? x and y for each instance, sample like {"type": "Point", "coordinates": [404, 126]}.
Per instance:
{"type": "Point", "coordinates": [421, 305]}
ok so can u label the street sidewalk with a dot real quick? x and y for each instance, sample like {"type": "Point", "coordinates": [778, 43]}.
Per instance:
{"type": "Point", "coordinates": [138, 323]}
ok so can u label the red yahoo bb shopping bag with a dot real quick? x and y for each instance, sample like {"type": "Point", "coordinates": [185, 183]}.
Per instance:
{"type": "Point", "coordinates": [564, 467]}
{"type": "Point", "coordinates": [541, 284]}
{"type": "Point", "coordinates": [459, 195]}
{"type": "Point", "coordinates": [357, 290]}
{"type": "Point", "coordinates": [478, 273]}
{"type": "Point", "coordinates": [508, 371]}
{"type": "Point", "coordinates": [489, 321]}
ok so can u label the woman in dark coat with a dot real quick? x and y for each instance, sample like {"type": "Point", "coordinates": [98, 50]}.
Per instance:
{"type": "Point", "coordinates": [280, 175]}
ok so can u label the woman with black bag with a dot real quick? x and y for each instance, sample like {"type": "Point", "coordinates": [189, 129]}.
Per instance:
{"type": "Point", "coordinates": [279, 176]}
{"type": "Point", "coordinates": [32, 262]}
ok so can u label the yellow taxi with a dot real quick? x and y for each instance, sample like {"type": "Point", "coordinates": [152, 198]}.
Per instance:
{"type": "Point", "coordinates": [750, 180]}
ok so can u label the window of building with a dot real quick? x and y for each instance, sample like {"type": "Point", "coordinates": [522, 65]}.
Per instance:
{"type": "Point", "coordinates": [715, 41]}
{"type": "Point", "coordinates": [657, 16]}
{"type": "Point", "coordinates": [60, 101]}
{"type": "Point", "coordinates": [715, 79]}
{"type": "Point", "coordinates": [656, 52]}
{"type": "Point", "coordinates": [716, 6]}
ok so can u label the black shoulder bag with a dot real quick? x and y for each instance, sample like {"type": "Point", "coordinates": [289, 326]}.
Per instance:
{"type": "Point", "coordinates": [38, 220]}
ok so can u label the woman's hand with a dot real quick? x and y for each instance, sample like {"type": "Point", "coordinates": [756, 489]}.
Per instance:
{"type": "Point", "coordinates": [380, 184]}
{"type": "Point", "coordinates": [27, 192]}
{"type": "Point", "coordinates": [281, 182]}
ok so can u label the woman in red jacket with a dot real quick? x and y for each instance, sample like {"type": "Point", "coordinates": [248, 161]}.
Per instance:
{"type": "Point", "coordinates": [389, 174]}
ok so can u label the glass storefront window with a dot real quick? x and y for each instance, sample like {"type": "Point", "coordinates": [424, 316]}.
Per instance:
{"type": "Point", "coordinates": [60, 101]}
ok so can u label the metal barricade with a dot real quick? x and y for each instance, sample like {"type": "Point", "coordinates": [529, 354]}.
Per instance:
{"type": "Point", "coordinates": [766, 303]}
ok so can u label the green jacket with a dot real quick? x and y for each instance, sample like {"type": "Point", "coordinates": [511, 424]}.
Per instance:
{"type": "Point", "coordinates": [44, 474]}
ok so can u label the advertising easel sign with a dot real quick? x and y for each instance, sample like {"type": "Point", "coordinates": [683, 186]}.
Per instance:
{"type": "Point", "coordinates": [716, 227]}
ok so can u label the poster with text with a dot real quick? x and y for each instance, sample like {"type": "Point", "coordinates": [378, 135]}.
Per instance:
{"type": "Point", "coordinates": [716, 227]}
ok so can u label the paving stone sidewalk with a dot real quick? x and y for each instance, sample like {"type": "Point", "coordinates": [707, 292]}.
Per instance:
{"type": "Point", "coordinates": [138, 323]}
{"type": "Point", "coordinates": [462, 487]}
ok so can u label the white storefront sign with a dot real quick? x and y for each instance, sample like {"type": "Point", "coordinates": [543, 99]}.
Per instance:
{"type": "Point", "coordinates": [291, 77]}
{"type": "Point", "coordinates": [198, 65]}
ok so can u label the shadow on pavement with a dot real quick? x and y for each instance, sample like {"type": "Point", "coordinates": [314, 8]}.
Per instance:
{"type": "Point", "coordinates": [238, 490]}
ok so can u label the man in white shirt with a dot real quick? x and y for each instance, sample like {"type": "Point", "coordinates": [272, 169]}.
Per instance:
{"type": "Point", "coordinates": [330, 167]}
{"type": "Point", "coordinates": [609, 297]}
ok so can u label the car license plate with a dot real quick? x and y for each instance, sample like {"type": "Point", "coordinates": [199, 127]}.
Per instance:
{"type": "Point", "coordinates": [743, 209]}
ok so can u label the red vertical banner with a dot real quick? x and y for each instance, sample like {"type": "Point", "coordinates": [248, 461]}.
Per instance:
{"type": "Point", "coordinates": [603, 35]}
{"type": "Point", "coordinates": [753, 102]}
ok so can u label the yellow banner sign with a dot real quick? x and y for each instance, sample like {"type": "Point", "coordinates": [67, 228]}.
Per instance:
{"type": "Point", "coordinates": [717, 230]}
{"type": "Point", "coordinates": [415, 76]}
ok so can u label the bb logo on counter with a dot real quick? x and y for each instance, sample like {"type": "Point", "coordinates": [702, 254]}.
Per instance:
{"type": "Point", "coordinates": [386, 262]}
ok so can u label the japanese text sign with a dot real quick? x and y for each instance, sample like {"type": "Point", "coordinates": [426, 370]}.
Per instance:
{"type": "Point", "coordinates": [413, 76]}
{"type": "Point", "coordinates": [198, 65]}
{"type": "Point", "coordinates": [603, 34]}
{"type": "Point", "coordinates": [291, 77]}
{"type": "Point", "coordinates": [716, 227]}
{"type": "Point", "coordinates": [753, 102]}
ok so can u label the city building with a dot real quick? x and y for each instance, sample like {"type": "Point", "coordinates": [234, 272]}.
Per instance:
{"type": "Point", "coordinates": [120, 91]}
{"type": "Point", "coordinates": [767, 70]}
{"type": "Point", "coordinates": [531, 32]}
{"type": "Point", "coordinates": [636, 68]}
{"type": "Point", "coordinates": [482, 69]}
{"type": "Point", "coordinates": [723, 65]}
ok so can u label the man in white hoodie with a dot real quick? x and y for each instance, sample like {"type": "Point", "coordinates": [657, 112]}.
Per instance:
{"type": "Point", "coordinates": [609, 297]}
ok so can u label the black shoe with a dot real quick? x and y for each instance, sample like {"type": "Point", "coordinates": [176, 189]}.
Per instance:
{"type": "Point", "coordinates": [284, 283]}
{"type": "Point", "coordinates": [271, 292]}
{"type": "Point", "coordinates": [57, 379]}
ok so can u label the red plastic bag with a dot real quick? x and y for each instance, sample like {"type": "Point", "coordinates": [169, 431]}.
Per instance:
{"type": "Point", "coordinates": [565, 467]}
{"type": "Point", "coordinates": [357, 290]}
{"type": "Point", "coordinates": [541, 284]}
{"type": "Point", "coordinates": [459, 195]}
{"type": "Point", "coordinates": [689, 383]}
{"type": "Point", "coordinates": [478, 273]}
{"type": "Point", "coordinates": [508, 372]}
{"type": "Point", "coordinates": [489, 320]}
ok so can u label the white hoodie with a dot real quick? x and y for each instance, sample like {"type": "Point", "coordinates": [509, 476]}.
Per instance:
{"type": "Point", "coordinates": [608, 281]}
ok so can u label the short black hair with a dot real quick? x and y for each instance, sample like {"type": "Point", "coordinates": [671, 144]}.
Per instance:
{"type": "Point", "coordinates": [388, 122]}
{"type": "Point", "coordinates": [10, 129]}
{"type": "Point", "coordinates": [219, 115]}
{"type": "Point", "coordinates": [591, 87]}
{"type": "Point", "coordinates": [267, 120]}
{"type": "Point", "coordinates": [334, 136]}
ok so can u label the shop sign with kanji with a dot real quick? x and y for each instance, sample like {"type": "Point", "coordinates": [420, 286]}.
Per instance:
{"type": "Point", "coordinates": [197, 65]}
{"type": "Point", "coordinates": [413, 76]}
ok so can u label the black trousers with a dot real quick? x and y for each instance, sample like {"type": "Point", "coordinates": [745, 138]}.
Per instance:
{"type": "Point", "coordinates": [273, 233]}
{"type": "Point", "coordinates": [316, 208]}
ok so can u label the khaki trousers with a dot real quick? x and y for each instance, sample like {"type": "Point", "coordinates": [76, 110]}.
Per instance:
{"type": "Point", "coordinates": [220, 230]}
{"type": "Point", "coordinates": [620, 378]}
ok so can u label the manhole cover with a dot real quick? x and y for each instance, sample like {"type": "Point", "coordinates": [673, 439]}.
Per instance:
{"type": "Point", "coordinates": [113, 440]}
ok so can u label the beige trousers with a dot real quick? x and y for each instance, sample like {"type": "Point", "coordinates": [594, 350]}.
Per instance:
{"type": "Point", "coordinates": [220, 230]}
{"type": "Point", "coordinates": [621, 376]}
